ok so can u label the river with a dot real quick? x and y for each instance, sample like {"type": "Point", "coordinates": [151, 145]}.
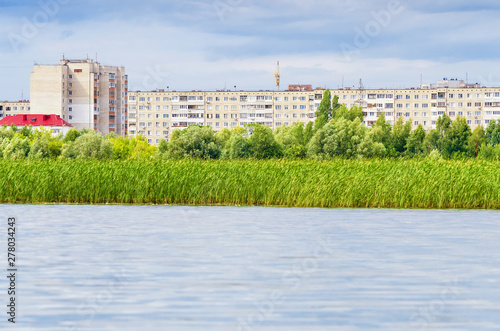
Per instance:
{"type": "Point", "coordinates": [252, 268]}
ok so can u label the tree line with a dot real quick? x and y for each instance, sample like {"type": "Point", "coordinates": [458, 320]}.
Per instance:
{"type": "Point", "coordinates": [338, 131]}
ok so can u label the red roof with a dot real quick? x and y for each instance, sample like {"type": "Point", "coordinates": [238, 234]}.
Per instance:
{"type": "Point", "coordinates": [34, 120]}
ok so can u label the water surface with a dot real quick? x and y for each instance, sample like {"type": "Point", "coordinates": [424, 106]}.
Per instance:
{"type": "Point", "coordinates": [225, 268]}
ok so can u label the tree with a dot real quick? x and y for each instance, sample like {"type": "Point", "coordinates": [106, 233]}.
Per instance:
{"type": "Point", "coordinates": [324, 111]}
{"type": "Point", "coordinates": [493, 133]}
{"type": "Point", "coordinates": [415, 142]}
{"type": "Point", "coordinates": [308, 133]}
{"type": "Point", "coordinates": [382, 133]}
{"type": "Point", "coordinates": [340, 137]}
{"type": "Point", "coordinates": [223, 136]}
{"type": "Point", "coordinates": [16, 148]}
{"type": "Point", "coordinates": [350, 114]}
{"type": "Point", "coordinates": [262, 142]}
{"type": "Point", "coordinates": [476, 141]}
{"type": "Point", "coordinates": [400, 134]}
{"type": "Point", "coordinates": [292, 140]}
{"type": "Point", "coordinates": [237, 147]}
{"type": "Point", "coordinates": [454, 143]}
{"type": "Point", "coordinates": [196, 141]}
{"type": "Point", "coordinates": [88, 145]}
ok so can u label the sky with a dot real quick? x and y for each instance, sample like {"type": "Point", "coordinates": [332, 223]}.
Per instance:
{"type": "Point", "coordinates": [217, 44]}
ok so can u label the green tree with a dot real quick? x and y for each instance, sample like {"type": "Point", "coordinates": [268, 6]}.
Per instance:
{"type": "Point", "coordinates": [381, 132]}
{"type": "Point", "coordinates": [350, 114]}
{"type": "Point", "coordinates": [476, 141]}
{"type": "Point", "coordinates": [400, 134]}
{"type": "Point", "coordinates": [324, 111]}
{"type": "Point", "coordinates": [237, 147]}
{"type": "Point", "coordinates": [16, 148]}
{"type": "Point", "coordinates": [454, 143]}
{"type": "Point", "coordinates": [308, 133]}
{"type": "Point", "coordinates": [262, 142]}
{"type": "Point", "coordinates": [415, 142]}
{"type": "Point", "coordinates": [88, 145]}
{"type": "Point", "coordinates": [196, 142]}
{"type": "Point", "coordinates": [292, 140]}
{"type": "Point", "coordinates": [493, 133]}
{"type": "Point", "coordinates": [340, 137]}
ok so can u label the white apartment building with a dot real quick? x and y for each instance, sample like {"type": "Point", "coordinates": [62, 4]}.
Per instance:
{"type": "Point", "coordinates": [84, 93]}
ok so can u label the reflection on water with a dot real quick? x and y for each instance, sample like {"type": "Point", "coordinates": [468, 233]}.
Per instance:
{"type": "Point", "coordinates": [224, 268]}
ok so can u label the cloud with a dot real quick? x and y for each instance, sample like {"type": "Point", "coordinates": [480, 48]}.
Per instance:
{"type": "Point", "coordinates": [197, 45]}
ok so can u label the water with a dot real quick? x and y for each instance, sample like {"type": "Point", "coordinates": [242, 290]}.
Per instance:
{"type": "Point", "coordinates": [220, 268]}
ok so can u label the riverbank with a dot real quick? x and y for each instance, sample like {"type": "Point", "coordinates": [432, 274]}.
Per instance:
{"type": "Point", "coordinates": [387, 183]}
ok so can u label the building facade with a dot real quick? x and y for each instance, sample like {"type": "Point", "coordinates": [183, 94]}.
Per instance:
{"type": "Point", "coordinates": [155, 114]}
{"type": "Point", "coordinates": [8, 108]}
{"type": "Point", "coordinates": [84, 93]}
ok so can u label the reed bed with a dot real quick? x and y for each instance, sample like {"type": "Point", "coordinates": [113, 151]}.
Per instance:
{"type": "Point", "coordinates": [471, 184]}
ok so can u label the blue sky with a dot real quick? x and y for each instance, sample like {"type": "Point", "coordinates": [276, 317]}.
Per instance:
{"type": "Point", "coordinates": [212, 44]}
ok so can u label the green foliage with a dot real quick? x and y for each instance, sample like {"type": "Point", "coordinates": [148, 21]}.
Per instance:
{"type": "Point", "coordinates": [476, 140]}
{"type": "Point", "coordinates": [324, 111]}
{"type": "Point", "coordinates": [292, 140]}
{"type": "Point", "coordinates": [454, 143]}
{"type": "Point", "coordinates": [195, 142]}
{"type": "Point", "coordinates": [223, 136]}
{"type": "Point", "coordinates": [493, 133]}
{"type": "Point", "coordinates": [72, 134]}
{"type": "Point", "coordinates": [16, 148]}
{"type": "Point", "coordinates": [262, 143]}
{"type": "Point", "coordinates": [237, 147]}
{"type": "Point", "coordinates": [400, 134]}
{"type": "Point", "coordinates": [308, 133]}
{"type": "Point", "coordinates": [88, 145]}
{"type": "Point", "coordinates": [349, 114]}
{"type": "Point", "coordinates": [415, 143]}
{"type": "Point", "coordinates": [340, 137]}
{"type": "Point", "coordinates": [7, 131]}
{"type": "Point", "coordinates": [381, 132]}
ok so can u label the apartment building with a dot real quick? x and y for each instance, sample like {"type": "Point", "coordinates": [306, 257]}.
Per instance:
{"type": "Point", "coordinates": [8, 108]}
{"type": "Point", "coordinates": [155, 114]}
{"type": "Point", "coordinates": [84, 93]}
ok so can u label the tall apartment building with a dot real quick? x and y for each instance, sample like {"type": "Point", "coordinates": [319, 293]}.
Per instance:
{"type": "Point", "coordinates": [84, 93]}
{"type": "Point", "coordinates": [155, 114]}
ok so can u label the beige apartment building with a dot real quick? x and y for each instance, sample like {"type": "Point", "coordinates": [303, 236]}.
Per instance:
{"type": "Point", "coordinates": [8, 108]}
{"type": "Point", "coordinates": [84, 93]}
{"type": "Point", "coordinates": [155, 114]}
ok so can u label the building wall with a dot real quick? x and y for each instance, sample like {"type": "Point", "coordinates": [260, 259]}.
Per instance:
{"type": "Point", "coordinates": [82, 92]}
{"type": "Point", "coordinates": [156, 114]}
{"type": "Point", "coordinates": [8, 108]}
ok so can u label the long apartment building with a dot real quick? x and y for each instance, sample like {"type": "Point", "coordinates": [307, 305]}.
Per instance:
{"type": "Point", "coordinates": [84, 93]}
{"type": "Point", "coordinates": [155, 114]}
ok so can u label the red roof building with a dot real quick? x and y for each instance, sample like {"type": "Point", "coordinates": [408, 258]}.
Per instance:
{"type": "Point", "coordinates": [54, 122]}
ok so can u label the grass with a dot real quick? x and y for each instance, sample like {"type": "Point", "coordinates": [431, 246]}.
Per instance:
{"type": "Point", "coordinates": [386, 183]}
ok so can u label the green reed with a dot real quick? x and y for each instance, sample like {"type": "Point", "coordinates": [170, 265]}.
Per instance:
{"type": "Point", "coordinates": [385, 183]}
